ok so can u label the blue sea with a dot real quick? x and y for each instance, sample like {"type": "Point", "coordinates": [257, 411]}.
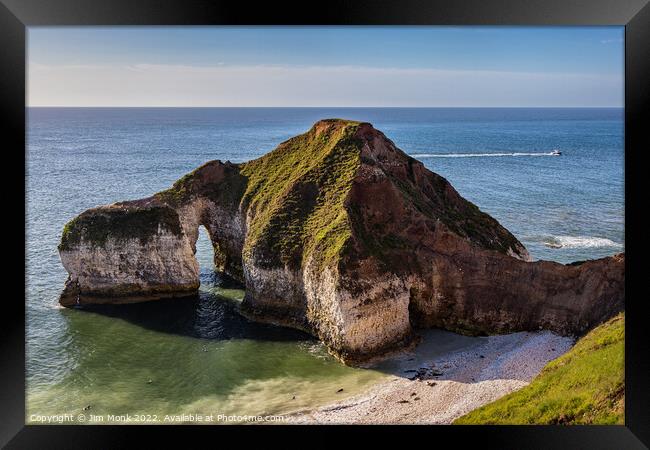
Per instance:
{"type": "Point", "coordinates": [202, 356]}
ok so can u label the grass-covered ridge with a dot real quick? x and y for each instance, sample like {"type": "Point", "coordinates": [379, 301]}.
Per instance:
{"type": "Point", "coordinates": [218, 181]}
{"type": "Point", "coordinates": [295, 194]}
{"type": "Point", "coordinates": [586, 385]}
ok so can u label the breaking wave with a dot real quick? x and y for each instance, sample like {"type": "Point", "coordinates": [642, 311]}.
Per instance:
{"type": "Point", "coordinates": [476, 155]}
{"type": "Point", "coordinates": [580, 242]}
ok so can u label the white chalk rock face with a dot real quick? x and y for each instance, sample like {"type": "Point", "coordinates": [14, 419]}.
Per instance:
{"type": "Point", "coordinates": [111, 260]}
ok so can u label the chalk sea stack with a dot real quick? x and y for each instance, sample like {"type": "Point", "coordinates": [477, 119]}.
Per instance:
{"type": "Point", "coordinates": [339, 233]}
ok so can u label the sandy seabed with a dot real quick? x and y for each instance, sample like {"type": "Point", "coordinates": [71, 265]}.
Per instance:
{"type": "Point", "coordinates": [438, 386]}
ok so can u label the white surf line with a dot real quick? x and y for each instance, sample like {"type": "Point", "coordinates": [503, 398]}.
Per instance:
{"type": "Point", "coordinates": [580, 242]}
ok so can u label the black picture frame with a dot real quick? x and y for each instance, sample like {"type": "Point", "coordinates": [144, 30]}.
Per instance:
{"type": "Point", "coordinates": [16, 15]}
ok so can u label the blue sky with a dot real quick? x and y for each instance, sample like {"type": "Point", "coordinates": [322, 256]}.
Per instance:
{"type": "Point", "coordinates": [325, 66]}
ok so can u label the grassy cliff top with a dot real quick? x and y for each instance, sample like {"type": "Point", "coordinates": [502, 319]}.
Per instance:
{"type": "Point", "coordinates": [586, 385]}
{"type": "Point", "coordinates": [295, 194]}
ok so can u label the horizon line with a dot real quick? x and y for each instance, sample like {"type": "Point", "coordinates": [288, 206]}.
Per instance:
{"type": "Point", "coordinates": [312, 107]}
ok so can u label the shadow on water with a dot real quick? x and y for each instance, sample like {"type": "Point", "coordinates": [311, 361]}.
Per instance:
{"type": "Point", "coordinates": [212, 314]}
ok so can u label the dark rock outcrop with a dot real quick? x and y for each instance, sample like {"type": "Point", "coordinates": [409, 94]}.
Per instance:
{"type": "Point", "coordinates": [339, 233]}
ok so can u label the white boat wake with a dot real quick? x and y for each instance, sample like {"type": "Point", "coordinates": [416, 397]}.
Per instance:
{"type": "Point", "coordinates": [478, 155]}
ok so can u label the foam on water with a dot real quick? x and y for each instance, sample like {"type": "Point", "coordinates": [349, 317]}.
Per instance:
{"type": "Point", "coordinates": [580, 242]}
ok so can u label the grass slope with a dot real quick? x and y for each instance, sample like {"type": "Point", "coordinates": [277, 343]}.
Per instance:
{"type": "Point", "coordinates": [295, 194]}
{"type": "Point", "coordinates": [586, 385]}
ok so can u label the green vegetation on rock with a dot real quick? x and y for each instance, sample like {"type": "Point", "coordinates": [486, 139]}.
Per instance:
{"type": "Point", "coordinates": [295, 195]}
{"type": "Point", "coordinates": [225, 190]}
{"type": "Point", "coordinates": [586, 385]}
{"type": "Point", "coordinates": [96, 226]}
{"type": "Point", "coordinates": [180, 190]}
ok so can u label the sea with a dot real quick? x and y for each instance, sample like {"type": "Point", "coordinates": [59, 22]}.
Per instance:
{"type": "Point", "coordinates": [174, 360]}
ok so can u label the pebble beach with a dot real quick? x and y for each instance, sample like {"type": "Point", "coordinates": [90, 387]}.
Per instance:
{"type": "Point", "coordinates": [438, 390]}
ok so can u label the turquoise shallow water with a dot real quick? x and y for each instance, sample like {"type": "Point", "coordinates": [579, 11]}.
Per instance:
{"type": "Point", "coordinates": [199, 356]}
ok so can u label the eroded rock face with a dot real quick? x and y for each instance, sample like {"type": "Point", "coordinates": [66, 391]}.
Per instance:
{"type": "Point", "coordinates": [339, 233]}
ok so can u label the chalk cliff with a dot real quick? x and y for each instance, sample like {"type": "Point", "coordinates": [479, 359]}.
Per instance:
{"type": "Point", "coordinates": [339, 233]}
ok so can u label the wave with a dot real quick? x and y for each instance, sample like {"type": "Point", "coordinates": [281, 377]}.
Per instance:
{"type": "Point", "coordinates": [476, 155]}
{"type": "Point", "coordinates": [580, 242]}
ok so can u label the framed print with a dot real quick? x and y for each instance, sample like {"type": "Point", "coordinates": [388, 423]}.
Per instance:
{"type": "Point", "coordinates": [413, 216]}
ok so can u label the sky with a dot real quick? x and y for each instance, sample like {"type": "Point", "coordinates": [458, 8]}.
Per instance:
{"type": "Point", "coordinates": [326, 66]}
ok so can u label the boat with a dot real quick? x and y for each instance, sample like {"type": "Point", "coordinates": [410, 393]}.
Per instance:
{"type": "Point", "coordinates": [556, 152]}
